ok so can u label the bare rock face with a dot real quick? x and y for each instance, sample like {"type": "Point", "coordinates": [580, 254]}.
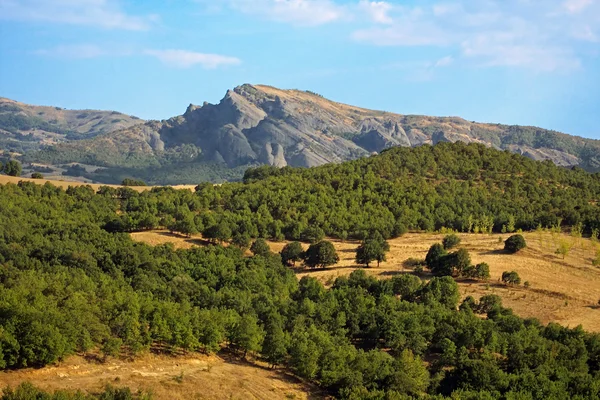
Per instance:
{"type": "Point", "coordinates": [265, 125]}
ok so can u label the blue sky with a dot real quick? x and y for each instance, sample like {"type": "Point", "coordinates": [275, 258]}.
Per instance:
{"type": "Point", "coordinates": [531, 62]}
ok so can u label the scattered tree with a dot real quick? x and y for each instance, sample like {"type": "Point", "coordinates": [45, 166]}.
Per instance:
{"type": "Point", "coordinates": [13, 168]}
{"type": "Point", "coordinates": [321, 255]}
{"type": "Point", "coordinates": [511, 278]}
{"type": "Point", "coordinates": [291, 253]}
{"type": "Point", "coordinates": [260, 247]}
{"type": "Point", "coordinates": [450, 241]}
{"type": "Point", "coordinates": [37, 175]}
{"type": "Point", "coordinates": [514, 243]}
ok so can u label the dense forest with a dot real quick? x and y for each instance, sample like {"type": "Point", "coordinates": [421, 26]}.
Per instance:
{"type": "Point", "coordinates": [468, 188]}
{"type": "Point", "coordinates": [72, 279]}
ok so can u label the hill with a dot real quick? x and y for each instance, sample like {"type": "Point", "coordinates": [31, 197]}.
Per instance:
{"type": "Point", "coordinates": [257, 124]}
{"type": "Point", "coordinates": [74, 282]}
{"type": "Point", "coordinates": [26, 127]}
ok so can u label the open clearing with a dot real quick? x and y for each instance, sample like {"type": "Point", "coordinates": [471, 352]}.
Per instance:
{"type": "Point", "coordinates": [564, 291]}
{"type": "Point", "coordinates": [184, 377]}
{"type": "Point", "coordinates": [65, 183]}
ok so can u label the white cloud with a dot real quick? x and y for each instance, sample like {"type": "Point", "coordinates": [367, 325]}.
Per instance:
{"type": "Point", "coordinates": [576, 6]}
{"type": "Point", "coordinates": [517, 33]}
{"type": "Point", "coordinates": [295, 12]}
{"type": "Point", "coordinates": [378, 11]}
{"type": "Point", "coordinates": [187, 59]}
{"type": "Point", "coordinates": [444, 62]}
{"type": "Point", "coordinates": [105, 14]}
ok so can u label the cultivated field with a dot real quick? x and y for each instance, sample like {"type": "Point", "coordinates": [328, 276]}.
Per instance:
{"type": "Point", "coordinates": [170, 378]}
{"type": "Point", "coordinates": [564, 291]}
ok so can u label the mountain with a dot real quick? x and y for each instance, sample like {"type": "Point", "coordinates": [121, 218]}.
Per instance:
{"type": "Point", "coordinates": [257, 124]}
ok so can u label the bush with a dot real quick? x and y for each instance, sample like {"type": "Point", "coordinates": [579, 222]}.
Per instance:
{"type": "Point", "coordinates": [260, 247]}
{"type": "Point", "coordinates": [450, 241]}
{"type": "Point", "coordinates": [133, 182]}
{"type": "Point", "coordinates": [515, 243]}
{"type": "Point", "coordinates": [37, 175]}
{"type": "Point", "coordinates": [511, 278]}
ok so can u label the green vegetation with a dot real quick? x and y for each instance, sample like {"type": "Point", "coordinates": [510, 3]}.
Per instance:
{"type": "Point", "coordinates": [12, 168]}
{"type": "Point", "coordinates": [26, 391]}
{"type": "Point", "coordinates": [511, 278]}
{"type": "Point", "coordinates": [450, 241]}
{"type": "Point", "coordinates": [514, 243]}
{"type": "Point", "coordinates": [372, 248]}
{"type": "Point", "coordinates": [132, 182]}
{"type": "Point", "coordinates": [292, 253]}
{"type": "Point", "coordinates": [37, 175]}
{"type": "Point", "coordinates": [72, 280]}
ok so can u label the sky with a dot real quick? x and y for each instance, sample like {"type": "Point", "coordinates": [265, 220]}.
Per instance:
{"type": "Point", "coordinates": [528, 62]}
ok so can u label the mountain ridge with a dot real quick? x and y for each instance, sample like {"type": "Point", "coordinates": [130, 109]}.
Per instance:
{"type": "Point", "coordinates": [261, 124]}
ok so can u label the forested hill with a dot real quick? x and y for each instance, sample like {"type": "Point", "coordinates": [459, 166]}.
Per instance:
{"type": "Point", "coordinates": [256, 124]}
{"type": "Point", "coordinates": [453, 185]}
{"type": "Point", "coordinates": [71, 281]}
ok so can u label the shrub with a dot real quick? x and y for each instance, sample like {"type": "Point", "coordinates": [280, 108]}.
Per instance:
{"type": "Point", "coordinates": [450, 241]}
{"type": "Point", "coordinates": [515, 243]}
{"type": "Point", "coordinates": [511, 278]}
{"type": "Point", "coordinates": [37, 175]}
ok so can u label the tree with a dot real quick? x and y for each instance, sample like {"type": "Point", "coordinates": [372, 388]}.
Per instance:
{"type": "Point", "coordinates": [291, 253]}
{"type": "Point", "coordinates": [372, 248]}
{"type": "Point", "coordinates": [411, 376]}
{"type": "Point", "coordinates": [274, 347]}
{"type": "Point", "coordinates": [37, 175]}
{"type": "Point", "coordinates": [321, 254]}
{"type": "Point", "coordinates": [434, 256]}
{"type": "Point", "coordinates": [564, 248]}
{"type": "Point", "coordinates": [241, 240]}
{"type": "Point", "coordinates": [514, 243]}
{"type": "Point", "coordinates": [13, 168]}
{"type": "Point", "coordinates": [511, 278]}
{"type": "Point", "coordinates": [450, 241]}
{"type": "Point", "coordinates": [111, 347]}
{"type": "Point", "coordinates": [479, 271]}
{"type": "Point", "coordinates": [247, 334]}
{"type": "Point", "coordinates": [313, 234]}
{"type": "Point", "coordinates": [260, 247]}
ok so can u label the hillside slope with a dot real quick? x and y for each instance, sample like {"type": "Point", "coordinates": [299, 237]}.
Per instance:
{"type": "Point", "coordinates": [24, 125]}
{"type": "Point", "coordinates": [256, 124]}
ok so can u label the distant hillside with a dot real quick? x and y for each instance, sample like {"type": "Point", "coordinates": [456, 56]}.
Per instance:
{"type": "Point", "coordinates": [259, 124]}
{"type": "Point", "coordinates": [27, 126]}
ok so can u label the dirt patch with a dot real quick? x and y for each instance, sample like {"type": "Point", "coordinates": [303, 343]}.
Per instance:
{"type": "Point", "coordinates": [173, 378]}
{"type": "Point", "coordinates": [564, 291]}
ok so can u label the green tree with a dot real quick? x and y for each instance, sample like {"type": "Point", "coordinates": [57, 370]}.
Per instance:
{"type": "Point", "coordinates": [241, 240]}
{"type": "Point", "coordinates": [450, 241]}
{"type": "Point", "coordinates": [291, 253]}
{"type": "Point", "coordinates": [321, 254]}
{"type": "Point", "coordinates": [514, 243]}
{"type": "Point", "coordinates": [512, 278]}
{"type": "Point", "coordinates": [13, 168]}
{"type": "Point", "coordinates": [434, 256]}
{"type": "Point", "coordinates": [37, 175]}
{"type": "Point", "coordinates": [111, 347]}
{"type": "Point", "coordinates": [564, 248]}
{"type": "Point", "coordinates": [411, 376]}
{"type": "Point", "coordinates": [373, 248]}
{"type": "Point", "coordinates": [274, 347]}
{"type": "Point", "coordinates": [313, 234]}
{"type": "Point", "coordinates": [260, 247]}
{"type": "Point", "coordinates": [247, 334]}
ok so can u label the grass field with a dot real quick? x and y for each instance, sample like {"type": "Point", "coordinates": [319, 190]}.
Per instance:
{"type": "Point", "coordinates": [564, 291]}
{"type": "Point", "coordinates": [65, 183]}
{"type": "Point", "coordinates": [170, 378]}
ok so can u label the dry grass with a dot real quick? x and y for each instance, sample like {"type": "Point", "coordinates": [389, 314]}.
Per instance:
{"type": "Point", "coordinates": [170, 378]}
{"type": "Point", "coordinates": [564, 291]}
{"type": "Point", "coordinates": [4, 179]}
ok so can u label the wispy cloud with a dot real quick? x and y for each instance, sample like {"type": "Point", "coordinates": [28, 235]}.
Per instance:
{"type": "Point", "coordinates": [107, 14]}
{"type": "Point", "coordinates": [378, 11]}
{"type": "Point", "coordinates": [295, 12]}
{"type": "Point", "coordinates": [514, 33]}
{"type": "Point", "coordinates": [187, 59]}
{"type": "Point", "coordinates": [576, 6]}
